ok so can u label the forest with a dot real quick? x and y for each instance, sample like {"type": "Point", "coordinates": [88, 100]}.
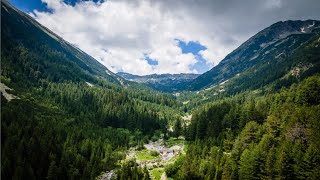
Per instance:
{"type": "Point", "coordinates": [69, 130]}
{"type": "Point", "coordinates": [66, 116]}
{"type": "Point", "coordinates": [254, 136]}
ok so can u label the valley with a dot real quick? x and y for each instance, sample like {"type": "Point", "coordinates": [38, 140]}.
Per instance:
{"type": "Point", "coordinates": [64, 115]}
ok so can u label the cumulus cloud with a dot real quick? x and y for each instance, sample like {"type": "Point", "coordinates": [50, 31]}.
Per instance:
{"type": "Point", "coordinates": [120, 34]}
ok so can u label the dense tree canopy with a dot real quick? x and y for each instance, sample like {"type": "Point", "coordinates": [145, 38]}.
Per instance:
{"type": "Point", "coordinates": [251, 136]}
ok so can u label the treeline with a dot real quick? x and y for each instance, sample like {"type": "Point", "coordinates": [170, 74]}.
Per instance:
{"type": "Point", "coordinates": [273, 136]}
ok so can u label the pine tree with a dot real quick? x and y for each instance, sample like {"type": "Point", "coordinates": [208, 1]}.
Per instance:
{"type": "Point", "coordinates": [177, 129]}
{"type": "Point", "coordinates": [248, 168]}
{"type": "Point", "coordinates": [146, 175]}
{"type": "Point", "coordinates": [227, 170]}
{"type": "Point", "coordinates": [53, 171]}
{"type": "Point", "coordinates": [312, 163]}
{"type": "Point", "coordinates": [270, 172]}
{"type": "Point", "coordinates": [284, 163]}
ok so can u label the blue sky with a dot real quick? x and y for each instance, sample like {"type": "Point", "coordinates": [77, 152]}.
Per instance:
{"type": "Point", "coordinates": [29, 5]}
{"type": "Point", "coordinates": [150, 61]}
{"type": "Point", "coordinates": [194, 47]}
{"type": "Point", "coordinates": [191, 47]}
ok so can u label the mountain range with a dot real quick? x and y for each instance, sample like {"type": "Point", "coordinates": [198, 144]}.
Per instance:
{"type": "Point", "coordinates": [267, 57]}
{"type": "Point", "coordinates": [161, 82]}
{"type": "Point", "coordinates": [66, 116]}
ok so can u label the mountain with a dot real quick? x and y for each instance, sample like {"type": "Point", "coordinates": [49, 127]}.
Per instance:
{"type": "Point", "coordinates": [63, 114]}
{"type": "Point", "coordinates": [256, 114]}
{"type": "Point", "coordinates": [265, 57]}
{"type": "Point", "coordinates": [45, 54]}
{"type": "Point", "coordinates": [161, 82]}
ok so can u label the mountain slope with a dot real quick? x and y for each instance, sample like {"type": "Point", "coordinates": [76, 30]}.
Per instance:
{"type": "Point", "coordinates": [64, 115]}
{"type": "Point", "coordinates": [275, 43]}
{"type": "Point", "coordinates": [27, 38]}
{"type": "Point", "coordinates": [161, 82]}
{"type": "Point", "coordinates": [255, 136]}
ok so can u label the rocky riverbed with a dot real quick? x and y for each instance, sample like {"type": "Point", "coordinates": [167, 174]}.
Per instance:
{"type": "Point", "coordinates": [167, 152]}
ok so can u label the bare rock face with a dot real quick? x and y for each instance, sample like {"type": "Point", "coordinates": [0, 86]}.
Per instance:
{"type": "Point", "coordinates": [5, 94]}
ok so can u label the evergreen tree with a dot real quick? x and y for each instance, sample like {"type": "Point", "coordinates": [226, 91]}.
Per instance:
{"type": "Point", "coordinates": [177, 128]}
{"type": "Point", "coordinates": [53, 171]}
{"type": "Point", "coordinates": [312, 163]}
{"type": "Point", "coordinates": [270, 172]}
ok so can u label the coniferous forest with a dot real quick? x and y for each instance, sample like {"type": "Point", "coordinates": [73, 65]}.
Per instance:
{"type": "Point", "coordinates": [249, 136]}
{"type": "Point", "coordinates": [66, 116]}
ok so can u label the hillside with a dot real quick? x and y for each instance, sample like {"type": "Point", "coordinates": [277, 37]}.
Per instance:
{"type": "Point", "coordinates": [271, 50]}
{"type": "Point", "coordinates": [45, 54]}
{"type": "Point", "coordinates": [63, 114]}
{"type": "Point", "coordinates": [255, 135]}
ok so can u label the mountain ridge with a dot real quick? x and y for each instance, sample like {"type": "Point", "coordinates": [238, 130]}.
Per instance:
{"type": "Point", "coordinates": [162, 82]}
{"type": "Point", "coordinates": [85, 62]}
{"type": "Point", "coordinates": [247, 54]}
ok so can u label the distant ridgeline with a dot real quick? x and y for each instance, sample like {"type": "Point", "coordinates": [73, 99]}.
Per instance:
{"type": "Point", "coordinates": [162, 82]}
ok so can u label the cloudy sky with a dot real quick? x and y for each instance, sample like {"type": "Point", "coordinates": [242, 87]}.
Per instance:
{"type": "Point", "coordinates": [163, 36]}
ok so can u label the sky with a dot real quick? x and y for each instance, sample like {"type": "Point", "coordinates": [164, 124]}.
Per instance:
{"type": "Point", "coordinates": [162, 36]}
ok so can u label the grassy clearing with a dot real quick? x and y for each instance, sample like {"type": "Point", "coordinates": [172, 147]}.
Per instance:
{"type": "Point", "coordinates": [145, 155]}
{"type": "Point", "coordinates": [157, 172]}
{"type": "Point", "coordinates": [174, 141]}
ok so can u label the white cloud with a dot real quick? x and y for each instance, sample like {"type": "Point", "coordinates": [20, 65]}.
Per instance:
{"type": "Point", "coordinates": [118, 34]}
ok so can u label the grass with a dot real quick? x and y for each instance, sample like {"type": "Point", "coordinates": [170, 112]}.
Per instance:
{"type": "Point", "coordinates": [174, 141]}
{"type": "Point", "coordinates": [185, 148]}
{"type": "Point", "coordinates": [145, 155]}
{"type": "Point", "coordinates": [157, 172]}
